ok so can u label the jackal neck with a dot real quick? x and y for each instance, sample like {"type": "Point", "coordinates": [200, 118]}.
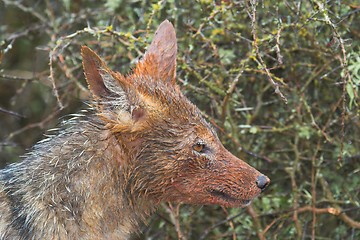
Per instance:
{"type": "Point", "coordinates": [72, 183]}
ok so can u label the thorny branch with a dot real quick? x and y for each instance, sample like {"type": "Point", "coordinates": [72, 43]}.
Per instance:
{"type": "Point", "coordinates": [63, 42]}
{"type": "Point", "coordinates": [252, 14]}
{"type": "Point", "coordinates": [257, 223]}
{"type": "Point", "coordinates": [26, 9]}
{"type": "Point", "coordinates": [219, 223]}
{"type": "Point", "coordinates": [346, 75]}
{"type": "Point", "coordinates": [174, 215]}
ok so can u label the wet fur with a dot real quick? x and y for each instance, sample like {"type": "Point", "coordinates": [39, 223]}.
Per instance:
{"type": "Point", "coordinates": [107, 168]}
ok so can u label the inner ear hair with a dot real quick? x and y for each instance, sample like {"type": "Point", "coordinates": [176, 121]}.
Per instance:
{"type": "Point", "coordinates": [138, 113]}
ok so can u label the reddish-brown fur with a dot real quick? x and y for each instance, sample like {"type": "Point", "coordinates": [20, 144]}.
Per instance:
{"type": "Point", "coordinates": [143, 144]}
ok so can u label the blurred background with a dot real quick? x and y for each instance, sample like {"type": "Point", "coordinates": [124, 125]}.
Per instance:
{"type": "Point", "coordinates": [279, 80]}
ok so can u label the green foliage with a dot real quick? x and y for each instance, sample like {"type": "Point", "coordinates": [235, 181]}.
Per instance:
{"type": "Point", "coordinates": [352, 86]}
{"type": "Point", "coordinates": [240, 62]}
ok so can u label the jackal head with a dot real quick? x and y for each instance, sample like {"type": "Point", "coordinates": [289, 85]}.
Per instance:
{"type": "Point", "coordinates": [169, 152]}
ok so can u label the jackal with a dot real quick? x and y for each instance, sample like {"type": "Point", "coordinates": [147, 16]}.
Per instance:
{"type": "Point", "coordinates": [142, 142]}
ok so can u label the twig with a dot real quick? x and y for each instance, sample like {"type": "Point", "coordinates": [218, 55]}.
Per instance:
{"type": "Point", "coordinates": [336, 210]}
{"type": "Point", "coordinates": [292, 173]}
{"type": "Point", "coordinates": [33, 125]}
{"type": "Point", "coordinates": [11, 113]}
{"type": "Point", "coordinates": [313, 187]}
{"type": "Point", "coordinates": [51, 77]}
{"type": "Point", "coordinates": [174, 215]}
{"type": "Point", "coordinates": [26, 9]}
{"type": "Point", "coordinates": [313, 122]}
{"type": "Point", "coordinates": [228, 94]}
{"type": "Point", "coordinates": [261, 61]}
{"type": "Point", "coordinates": [208, 230]}
{"type": "Point", "coordinates": [231, 223]}
{"type": "Point", "coordinates": [13, 77]}
{"type": "Point", "coordinates": [333, 211]}
{"type": "Point", "coordinates": [277, 45]}
{"type": "Point", "coordinates": [63, 42]}
{"type": "Point", "coordinates": [346, 75]}
{"type": "Point", "coordinates": [256, 222]}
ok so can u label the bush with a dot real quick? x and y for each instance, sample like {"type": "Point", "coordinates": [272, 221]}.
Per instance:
{"type": "Point", "coordinates": [279, 81]}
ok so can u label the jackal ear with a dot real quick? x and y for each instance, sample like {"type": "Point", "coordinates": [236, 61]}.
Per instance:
{"type": "Point", "coordinates": [101, 80]}
{"type": "Point", "coordinates": [160, 57]}
{"type": "Point", "coordinates": [106, 85]}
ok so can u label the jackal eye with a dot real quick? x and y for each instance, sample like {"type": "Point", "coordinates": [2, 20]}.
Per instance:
{"type": "Point", "coordinates": [199, 147]}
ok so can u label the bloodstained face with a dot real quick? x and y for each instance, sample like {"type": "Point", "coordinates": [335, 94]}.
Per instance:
{"type": "Point", "coordinates": [172, 153]}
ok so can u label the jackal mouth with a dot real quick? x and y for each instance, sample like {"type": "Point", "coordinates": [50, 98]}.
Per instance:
{"type": "Point", "coordinates": [227, 197]}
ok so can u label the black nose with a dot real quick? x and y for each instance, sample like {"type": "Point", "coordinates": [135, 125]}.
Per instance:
{"type": "Point", "coordinates": [262, 182]}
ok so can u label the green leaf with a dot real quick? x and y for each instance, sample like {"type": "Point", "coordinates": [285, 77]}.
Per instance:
{"type": "Point", "coordinates": [350, 92]}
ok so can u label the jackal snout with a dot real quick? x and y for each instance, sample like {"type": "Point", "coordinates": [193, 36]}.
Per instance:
{"type": "Point", "coordinates": [262, 182]}
{"type": "Point", "coordinates": [239, 184]}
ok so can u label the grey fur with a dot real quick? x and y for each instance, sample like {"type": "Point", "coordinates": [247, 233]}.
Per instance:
{"type": "Point", "coordinates": [51, 193]}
